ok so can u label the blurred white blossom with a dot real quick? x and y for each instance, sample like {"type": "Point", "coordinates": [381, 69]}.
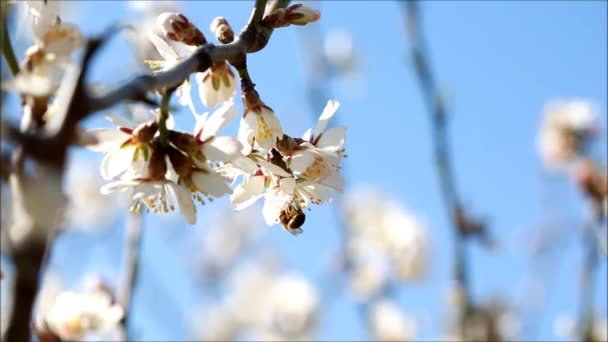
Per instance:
{"type": "Point", "coordinates": [75, 314]}
{"type": "Point", "coordinates": [566, 129]}
{"type": "Point", "coordinates": [388, 323]}
{"type": "Point", "coordinates": [384, 241]}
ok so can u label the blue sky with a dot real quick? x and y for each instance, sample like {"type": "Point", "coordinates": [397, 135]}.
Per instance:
{"type": "Point", "coordinates": [497, 62]}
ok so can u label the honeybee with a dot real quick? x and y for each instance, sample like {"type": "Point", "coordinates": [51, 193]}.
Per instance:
{"type": "Point", "coordinates": [292, 218]}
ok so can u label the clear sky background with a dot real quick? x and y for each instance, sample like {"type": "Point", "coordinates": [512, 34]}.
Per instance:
{"type": "Point", "coordinates": [498, 63]}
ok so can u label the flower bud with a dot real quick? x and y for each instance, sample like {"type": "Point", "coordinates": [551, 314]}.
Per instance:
{"type": "Point", "coordinates": [222, 30]}
{"type": "Point", "coordinates": [292, 15]}
{"type": "Point", "coordinates": [177, 27]}
{"type": "Point", "coordinates": [301, 15]}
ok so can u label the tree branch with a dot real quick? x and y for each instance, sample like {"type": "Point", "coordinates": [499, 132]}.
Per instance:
{"type": "Point", "coordinates": [7, 47]}
{"type": "Point", "coordinates": [132, 248]}
{"type": "Point", "coordinates": [443, 162]}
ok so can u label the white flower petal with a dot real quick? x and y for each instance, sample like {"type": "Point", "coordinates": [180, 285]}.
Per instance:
{"type": "Point", "coordinates": [209, 96]}
{"type": "Point", "coordinates": [247, 128]}
{"type": "Point", "coordinates": [329, 111]}
{"type": "Point", "coordinates": [121, 122]}
{"type": "Point", "coordinates": [166, 51]}
{"type": "Point", "coordinates": [118, 185]}
{"type": "Point", "coordinates": [223, 149]}
{"type": "Point", "coordinates": [274, 169]}
{"type": "Point", "coordinates": [185, 203]}
{"type": "Point", "coordinates": [287, 185]}
{"type": "Point", "coordinates": [333, 139]}
{"type": "Point", "coordinates": [116, 161]}
{"type": "Point", "coordinates": [301, 160]}
{"type": "Point", "coordinates": [307, 135]}
{"type": "Point", "coordinates": [210, 183]}
{"type": "Point", "coordinates": [104, 139]}
{"type": "Point", "coordinates": [334, 181]}
{"type": "Point", "coordinates": [248, 191]}
{"type": "Point", "coordinates": [219, 119]}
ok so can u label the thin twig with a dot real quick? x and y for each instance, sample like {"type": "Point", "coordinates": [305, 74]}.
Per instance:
{"type": "Point", "coordinates": [131, 271]}
{"type": "Point", "coordinates": [587, 279]}
{"type": "Point", "coordinates": [443, 165]}
{"type": "Point", "coordinates": [7, 47]}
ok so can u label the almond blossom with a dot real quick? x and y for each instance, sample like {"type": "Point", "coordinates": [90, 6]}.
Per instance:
{"type": "Point", "coordinates": [259, 124]}
{"type": "Point", "coordinates": [216, 85]}
{"type": "Point", "coordinates": [170, 59]}
{"type": "Point", "coordinates": [125, 147]}
{"type": "Point", "coordinates": [566, 130]}
{"type": "Point", "coordinates": [76, 314]}
{"type": "Point", "coordinates": [317, 156]}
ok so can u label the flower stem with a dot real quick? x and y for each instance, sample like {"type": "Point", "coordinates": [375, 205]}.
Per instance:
{"type": "Point", "coordinates": [164, 115]}
{"type": "Point", "coordinates": [7, 48]}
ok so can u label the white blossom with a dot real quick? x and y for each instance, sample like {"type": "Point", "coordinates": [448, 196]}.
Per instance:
{"type": "Point", "coordinates": [74, 314]}
{"type": "Point", "coordinates": [388, 323]}
{"type": "Point", "coordinates": [170, 59]}
{"type": "Point", "coordinates": [566, 128]}
{"type": "Point", "coordinates": [294, 305]}
{"type": "Point", "coordinates": [216, 85]}
{"type": "Point", "coordinates": [259, 125]}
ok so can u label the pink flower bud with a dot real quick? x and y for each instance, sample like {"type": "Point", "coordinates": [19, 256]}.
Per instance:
{"type": "Point", "coordinates": [222, 30]}
{"type": "Point", "coordinates": [177, 27]}
{"type": "Point", "coordinates": [301, 15]}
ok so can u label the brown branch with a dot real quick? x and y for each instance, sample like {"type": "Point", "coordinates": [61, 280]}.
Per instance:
{"type": "Point", "coordinates": [452, 202]}
{"type": "Point", "coordinates": [133, 243]}
{"type": "Point", "coordinates": [49, 147]}
{"type": "Point", "coordinates": [28, 260]}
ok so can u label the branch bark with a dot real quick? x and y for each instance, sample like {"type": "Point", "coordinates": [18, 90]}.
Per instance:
{"type": "Point", "coordinates": [443, 164]}
{"type": "Point", "coordinates": [49, 146]}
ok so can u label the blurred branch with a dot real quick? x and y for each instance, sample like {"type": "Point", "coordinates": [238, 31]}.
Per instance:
{"type": "Point", "coordinates": [49, 147]}
{"type": "Point", "coordinates": [587, 280]}
{"type": "Point", "coordinates": [7, 47]}
{"type": "Point", "coordinates": [437, 111]}
{"type": "Point", "coordinates": [28, 261]}
{"type": "Point", "coordinates": [131, 269]}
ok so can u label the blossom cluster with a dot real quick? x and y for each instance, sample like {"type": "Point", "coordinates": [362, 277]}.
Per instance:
{"type": "Point", "coordinates": [167, 169]}
{"type": "Point", "coordinates": [566, 134]}
{"type": "Point", "coordinates": [385, 243]}
{"type": "Point", "coordinates": [265, 302]}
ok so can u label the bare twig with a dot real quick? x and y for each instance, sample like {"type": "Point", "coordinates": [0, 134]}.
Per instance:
{"type": "Point", "coordinates": [587, 279]}
{"type": "Point", "coordinates": [437, 112]}
{"type": "Point", "coordinates": [131, 271]}
{"type": "Point", "coordinates": [7, 47]}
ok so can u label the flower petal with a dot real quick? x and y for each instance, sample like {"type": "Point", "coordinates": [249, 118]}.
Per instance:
{"type": "Point", "coordinates": [333, 139]}
{"type": "Point", "coordinates": [223, 149]}
{"type": "Point", "coordinates": [121, 122]}
{"type": "Point", "coordinates": [329, 111]}
{"type": "Point", "coordinates": [274, 169]}
{"type": "Point", "coordinates": [116, 161]}
{"type": "Point", "coordinates": [247, 192]}
{"type": "Point", "coordinates": [104, 139]}
{"type": "Point", "coordinates": [184, 201]}
{"type": "Point", "coordinates": [219, 119]}
{"type": "Point", "coordinates": [166, 51]}
{"type": "Point", "coordinates": [301, 160]}
{"type": "Point", "coordinates": [210, 183]}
